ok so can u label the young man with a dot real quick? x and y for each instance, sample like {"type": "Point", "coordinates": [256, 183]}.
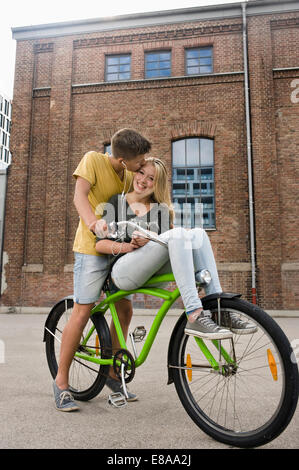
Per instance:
{"type": "Point", "coordinates": [98, 177]}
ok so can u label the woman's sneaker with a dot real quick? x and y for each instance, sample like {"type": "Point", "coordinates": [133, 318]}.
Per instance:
{"type": "Point", "coordinates": [117, 387]}
{"type": "Point", "coordinates": [64, 400]}
{"type": "Point", "coordinates": [236, 324]}
{"type": "Point", "coordinates": [204, 327]}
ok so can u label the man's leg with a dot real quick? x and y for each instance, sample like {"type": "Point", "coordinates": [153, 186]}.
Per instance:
{"type": "Point", "coordinates": [70, 339]}
{"type": "Point", "coordinates": [124, 312]}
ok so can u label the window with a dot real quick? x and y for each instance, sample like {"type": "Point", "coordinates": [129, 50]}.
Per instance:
{"type": "Point", "coordinates": [193, 182]}
{"type": "Point", "coordinates": [4, 138]}
{"type": "Point", "coordinates": [158, 64]}
{"type": "Point", "coordinates": [6, 107]}
{"type": "Point", "coordinates": [118, 67]}
{"type": "Point", "coordinates": [199, 60]}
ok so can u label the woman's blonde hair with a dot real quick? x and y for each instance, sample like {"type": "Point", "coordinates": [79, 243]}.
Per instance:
{"type": "Point", "coordinates": [161, 187]}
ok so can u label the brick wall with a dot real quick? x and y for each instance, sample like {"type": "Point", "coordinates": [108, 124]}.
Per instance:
{"type": "Point", "coordinates": [55, 123]}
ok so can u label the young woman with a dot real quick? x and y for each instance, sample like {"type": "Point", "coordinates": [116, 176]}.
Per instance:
{"type": "Point", "coordinates": [187, 251]}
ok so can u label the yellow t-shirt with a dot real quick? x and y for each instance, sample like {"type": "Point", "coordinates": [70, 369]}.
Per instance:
{"type": "Point", "coordinates": [98, 171]}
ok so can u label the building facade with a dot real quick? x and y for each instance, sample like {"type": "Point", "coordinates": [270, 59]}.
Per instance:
{"type": "Point", "coordinates": [215, 89]}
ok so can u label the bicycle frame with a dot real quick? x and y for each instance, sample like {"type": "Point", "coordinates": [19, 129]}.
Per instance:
{"type": "Point", "coordinates": [169, 298]}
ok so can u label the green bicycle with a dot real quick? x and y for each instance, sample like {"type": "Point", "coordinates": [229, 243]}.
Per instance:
{"type": "Point", "coordinates": [241, 391]}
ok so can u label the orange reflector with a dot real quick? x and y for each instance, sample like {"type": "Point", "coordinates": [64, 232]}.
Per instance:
{"type": "Point", "coordinates": [272, 364]}
{"type": "Point", "coordinates": [189, 365]}
{"type": "Point", "coordinates": [97, 346]}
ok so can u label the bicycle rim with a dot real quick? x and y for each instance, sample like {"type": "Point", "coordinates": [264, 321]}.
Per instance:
{"type": "Point", "coordinates": [84, 376]}
{"type": "Point", "coordinates": [241, 403]}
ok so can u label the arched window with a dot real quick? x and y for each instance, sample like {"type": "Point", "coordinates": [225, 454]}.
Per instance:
{"type": "Point", "coordinates": [193, 182]}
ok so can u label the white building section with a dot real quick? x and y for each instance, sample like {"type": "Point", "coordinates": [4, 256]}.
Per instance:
{"type": "Point", "coordinates": [5, 125]}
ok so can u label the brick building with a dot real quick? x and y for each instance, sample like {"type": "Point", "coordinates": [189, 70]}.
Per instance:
{"type": "Point", "coordinates": [180, 78]}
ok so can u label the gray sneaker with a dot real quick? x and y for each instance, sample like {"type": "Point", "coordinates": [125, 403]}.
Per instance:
{"type": "Point", "coordinates": [204, 327]}
{"type": "Point", "coordinates": [236, 324]}
{"type": "Point", "coordinates": [64, 400]}
{"type": "Point", "coordinates": [116, 386]}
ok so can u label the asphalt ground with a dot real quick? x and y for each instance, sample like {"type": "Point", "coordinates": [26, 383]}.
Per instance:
{"type": "Point", "coordinates": [156, 421]}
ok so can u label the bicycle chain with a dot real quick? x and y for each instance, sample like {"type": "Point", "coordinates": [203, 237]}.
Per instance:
{"type": "Point", "coordinates": [129, 364]}
{"type": "Point", "coordinates": [126, 359]}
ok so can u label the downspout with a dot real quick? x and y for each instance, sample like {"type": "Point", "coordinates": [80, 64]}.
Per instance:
{"type": "Point", "coordinates": [3, 186]}
{"type": "Point", "coordinates": [249, 158]}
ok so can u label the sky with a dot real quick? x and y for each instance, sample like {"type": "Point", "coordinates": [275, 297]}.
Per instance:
{"type": "Point", "coordinates": [31, 12]}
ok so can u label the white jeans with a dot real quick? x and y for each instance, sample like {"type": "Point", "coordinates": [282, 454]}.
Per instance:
{"type": "Point", "coordinates": [188, 251]}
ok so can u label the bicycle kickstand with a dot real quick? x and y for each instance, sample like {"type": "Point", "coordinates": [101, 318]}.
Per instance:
{"type": "Point", "coordinates": [119, 399]}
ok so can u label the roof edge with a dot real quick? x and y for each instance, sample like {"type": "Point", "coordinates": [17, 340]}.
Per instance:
{"type": "Point", "coordinates": [135, 20]}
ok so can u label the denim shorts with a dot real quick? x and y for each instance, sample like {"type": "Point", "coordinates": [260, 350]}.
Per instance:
{"type": "Point", "coordinates": [90, 272]}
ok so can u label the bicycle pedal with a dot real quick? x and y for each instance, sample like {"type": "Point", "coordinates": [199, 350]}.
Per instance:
{"type": "Point", "coordinates": [117, 399]}
{"type": "Point", "coordinates": [139, 334]}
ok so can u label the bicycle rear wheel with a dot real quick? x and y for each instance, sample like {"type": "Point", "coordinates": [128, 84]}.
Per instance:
{"type": "Point", "coordinates": [86, 379]}
{"type": "Point", "coordinates": [253, 395]}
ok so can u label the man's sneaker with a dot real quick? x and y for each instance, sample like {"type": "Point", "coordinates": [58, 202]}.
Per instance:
{"type": "Point", "coordinates": [204, 327]}
{"type": "Point", "coordinates": [116, 386]}
{"type": "Point", "coordinates": [236, 324]}
{"type": "Point", "coordinates": [64, 400]}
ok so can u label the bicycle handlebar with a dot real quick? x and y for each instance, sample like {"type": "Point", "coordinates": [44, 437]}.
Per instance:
{"type": "Point", "coordinates": [113, 231]}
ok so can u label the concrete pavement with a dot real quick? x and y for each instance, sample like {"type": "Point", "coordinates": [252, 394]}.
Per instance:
{"type": "Point", "coordinates": [157, 421]}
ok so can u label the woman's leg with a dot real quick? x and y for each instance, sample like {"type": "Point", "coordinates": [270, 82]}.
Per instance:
{"type": "Point", "coordinates": [203, 258]}
{"type": "Point", "coordinates": [181, 259]}
{"type": "Point", "coordinates": [134, 269]}
{"type": "Point", "coordinates": [181, 245]}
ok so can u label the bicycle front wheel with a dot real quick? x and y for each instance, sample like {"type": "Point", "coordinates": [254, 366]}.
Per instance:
{"type": "Point", "coordinates": [251, 396]}
{"type": "Point", "coordinates": [86, 379]}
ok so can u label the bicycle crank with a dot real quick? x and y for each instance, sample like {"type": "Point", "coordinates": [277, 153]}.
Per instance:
{"type": "Point", "coordinates": [124, 365]}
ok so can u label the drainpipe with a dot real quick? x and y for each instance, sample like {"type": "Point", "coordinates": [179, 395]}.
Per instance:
{"type": "Point", "coordinates": [249, 158]}
{"type": "Point", "coordinates": [3, 184]}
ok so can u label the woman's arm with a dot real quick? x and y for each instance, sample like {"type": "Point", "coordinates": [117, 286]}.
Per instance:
{"type": "Point", "coordinates": [110, 247]}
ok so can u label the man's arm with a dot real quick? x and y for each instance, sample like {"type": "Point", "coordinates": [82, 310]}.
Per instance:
{"type": "Point", "coordinates": [82, 204]}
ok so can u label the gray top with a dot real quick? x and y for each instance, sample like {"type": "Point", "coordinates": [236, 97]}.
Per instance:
{"type": "Point", "coordinates": [156, 219]}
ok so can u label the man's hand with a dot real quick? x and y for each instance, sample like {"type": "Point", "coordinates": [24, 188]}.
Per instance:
{"type": "Point", "coordinates": [100, 228]}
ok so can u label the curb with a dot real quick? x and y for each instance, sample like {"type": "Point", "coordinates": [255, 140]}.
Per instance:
{"type": "Point", "coordinates": [137, 311]}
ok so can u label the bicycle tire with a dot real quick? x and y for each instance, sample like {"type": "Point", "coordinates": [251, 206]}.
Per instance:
{"type": "Point", "coordinates": [272, 408]}
{"type": "Point", "coordinates": [86, 379]}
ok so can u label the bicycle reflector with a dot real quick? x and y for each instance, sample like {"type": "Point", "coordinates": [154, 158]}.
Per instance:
{"type": "Point", "coordinates": [189, 367]}
{"type": "Point", "coordinates": [272, 364]}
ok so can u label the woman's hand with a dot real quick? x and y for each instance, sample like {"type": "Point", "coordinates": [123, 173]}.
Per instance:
{"type": "Point", "coordinates": [128, 247]}
{"type": "Point", "coordinates": [138, 239]}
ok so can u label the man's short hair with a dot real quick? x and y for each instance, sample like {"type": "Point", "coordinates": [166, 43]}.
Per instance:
{"type": "Point", "coordinates": [128, 144]}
